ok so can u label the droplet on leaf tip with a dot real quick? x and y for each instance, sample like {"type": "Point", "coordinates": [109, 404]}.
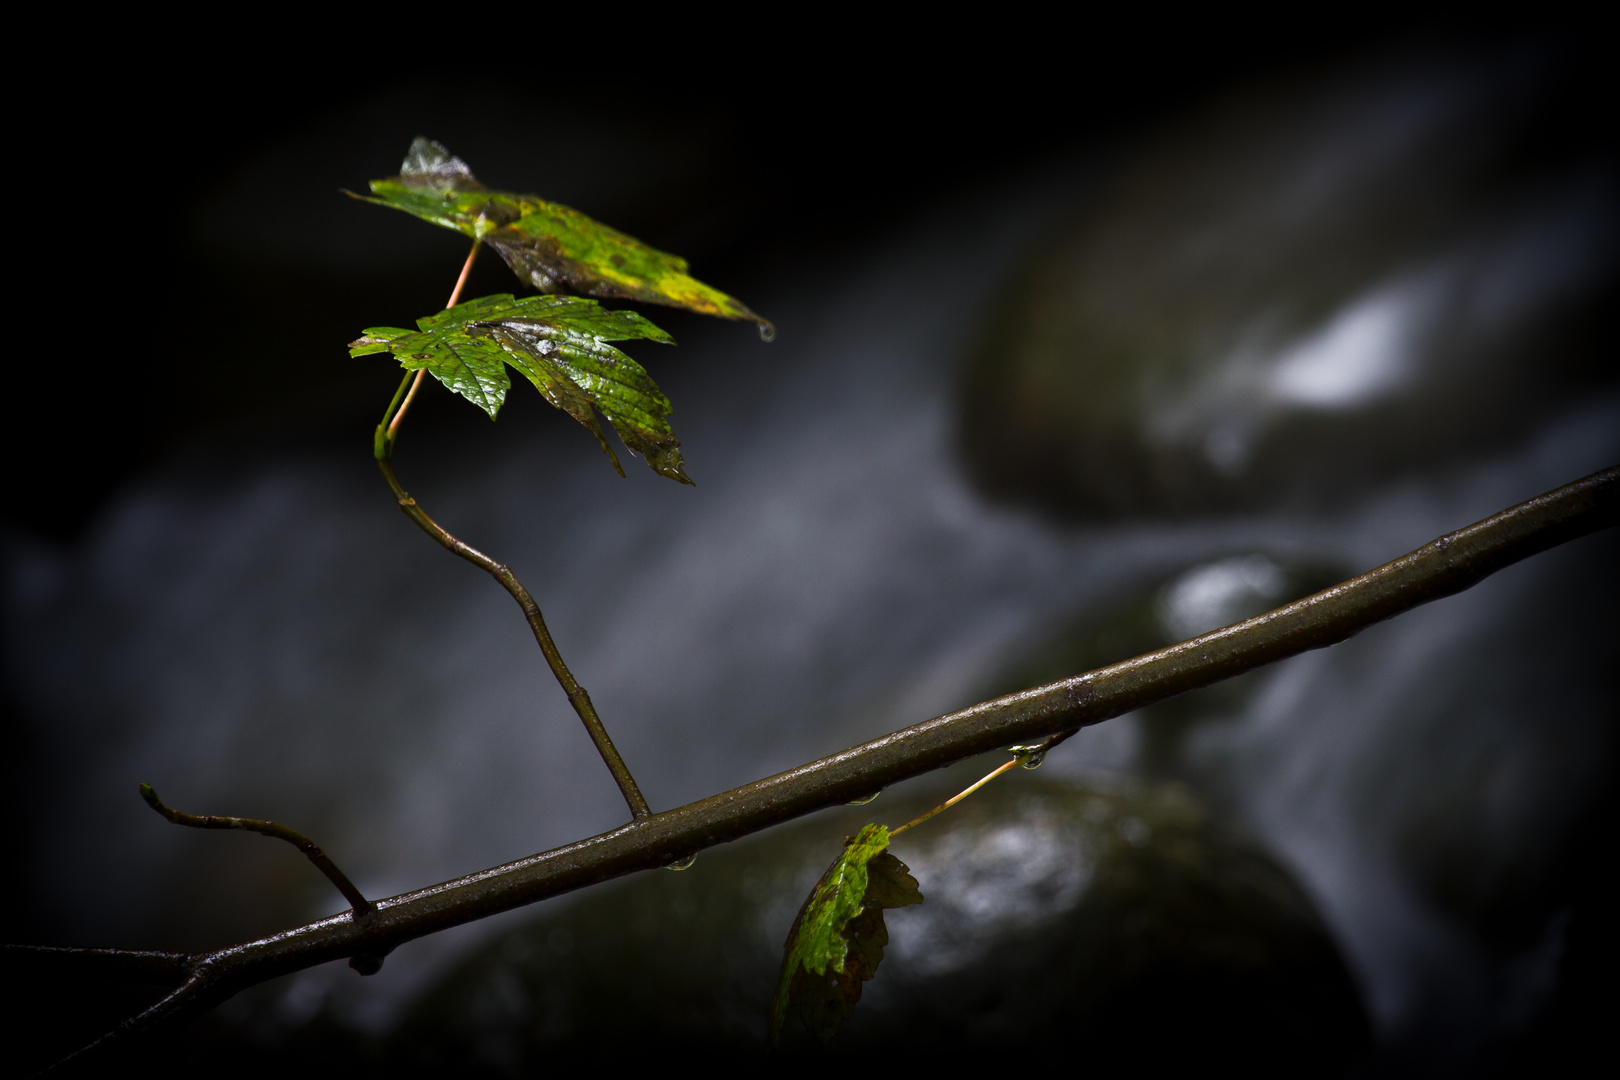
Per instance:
{"type": "Point", "coordinates": [767, 332]}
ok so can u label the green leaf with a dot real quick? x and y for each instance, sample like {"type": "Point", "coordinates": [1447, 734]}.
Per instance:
{"type": "Point", "coordinates": [546, 244]}
{"type": "Point", "coordinates": [559, 343]}
{"type": "Point", "coordinates": [837, 941]}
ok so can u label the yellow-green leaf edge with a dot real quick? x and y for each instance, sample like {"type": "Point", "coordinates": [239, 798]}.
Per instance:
{"type": "Point", "coordinates": [548, 244]}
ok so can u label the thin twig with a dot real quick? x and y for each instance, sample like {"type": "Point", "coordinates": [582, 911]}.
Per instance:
{"type": "Point", "coordinates": [202, 990]}
{"type": "Point", "coordinates": [537, 623]}
{"type": "Point", "coordinates": [107, 965]}
{"type": "Point", "coordinates": [416, 384]}
{"type": "Point", "coordinates": [383, 450]}
{"type": "Point", "coordinates": [311, 850]}
{"type": "Point", "coordinates": [1441, 568]}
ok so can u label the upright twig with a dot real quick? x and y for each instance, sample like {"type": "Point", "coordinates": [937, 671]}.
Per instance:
{"type": "Point", "coordinates": [312, 851]}
{"type": "Point", "coordinates": [383, 449]}
{"type": "Point", "coordinates": [577, 696]}
{"type": "Point", "coordinates": [1441, 568]}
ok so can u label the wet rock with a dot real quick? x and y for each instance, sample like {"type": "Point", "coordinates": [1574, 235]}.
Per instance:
{"type": "Point", "coordinates": [1300, 291]}
{"type": "Point", "coordinates": [1108, 922]}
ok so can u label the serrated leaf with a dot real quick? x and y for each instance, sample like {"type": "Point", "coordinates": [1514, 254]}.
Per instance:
{"type": "Point", "coordinates": [546, 244]}
{"type": "Point", "coordinates": [837, 941]}
{"type": "Point", "coordinates": [559, 343]}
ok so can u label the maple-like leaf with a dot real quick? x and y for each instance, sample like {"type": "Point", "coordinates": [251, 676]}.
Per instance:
{"type": "Point", "coordinates": [837, 941]}
{"type": "Point", "coordinates": [559, 343]}
{"type": "Point", "coordinates": [546, 244]}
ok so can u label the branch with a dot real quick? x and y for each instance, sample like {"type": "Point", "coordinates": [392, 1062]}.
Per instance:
{"type": "Point", "coordinates": [312, 851]}
{"type": "Point", "coordinates": [577, 696]}
{"type": "Point", "coordinates": [1441, 568]}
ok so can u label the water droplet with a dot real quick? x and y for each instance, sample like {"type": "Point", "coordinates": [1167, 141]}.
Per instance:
{"type": "Point", "coordinates": [767, 332]}
{"type": "Point", "coordinates": [682, 864]}
{"type": "Point", "coordinates": [863, 800]}
{"type": "Point", "coordinates": [1033, 755]}
{"type": "Point", "coordinates": [366, 965]}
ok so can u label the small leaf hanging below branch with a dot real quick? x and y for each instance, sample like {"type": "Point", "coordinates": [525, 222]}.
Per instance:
{"type": "Point", "coordinates": [546, 244]}
{"type": "Point", "coordinates": [838, 939]}
{"type": "Point", "coordinates": [559, 343]}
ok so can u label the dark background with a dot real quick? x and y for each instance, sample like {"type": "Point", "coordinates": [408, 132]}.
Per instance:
{"type": "Point", "coordinates": [764, 147]}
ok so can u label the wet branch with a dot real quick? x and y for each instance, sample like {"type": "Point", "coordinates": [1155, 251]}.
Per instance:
{"type": "Point", "coordinates": [1445, 566]}
{"type": "Point", "coordinates": [311, 850]}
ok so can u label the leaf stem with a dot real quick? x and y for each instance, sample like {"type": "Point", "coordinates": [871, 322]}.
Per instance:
{"type": "Point", "coordinates": [311, 850]}
{"type": "Point", "coordinates": [455, 294]}
{"type": "Point", "coordinates": [1028, 756]}
{"type": "Point", "coordinates": [383, 442]}
{"type": "Point", "coordinates": [958, 797]}
{"type": "Point", "coordinates": [537, 623]}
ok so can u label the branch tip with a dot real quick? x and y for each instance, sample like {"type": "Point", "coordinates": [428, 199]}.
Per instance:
{"type": "Point", "coordinates": [310, 849]}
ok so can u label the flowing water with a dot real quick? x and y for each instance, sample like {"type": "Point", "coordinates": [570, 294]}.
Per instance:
{"type": "Point", "coordinates": [275, 640]}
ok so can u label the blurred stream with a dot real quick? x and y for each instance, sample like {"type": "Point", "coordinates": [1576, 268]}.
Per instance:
{"type": "Point", "coordinates": [275, 640]}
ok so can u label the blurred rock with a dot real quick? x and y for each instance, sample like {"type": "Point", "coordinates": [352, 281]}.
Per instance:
{"type": "Point", "coordinates": [1197, 599]}
{"type": "Point", "coordinates": [1302, 290]}
{"type": "Point", "coordinates": [1110, 920]}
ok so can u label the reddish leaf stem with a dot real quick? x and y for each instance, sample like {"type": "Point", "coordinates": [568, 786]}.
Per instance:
{"type": "Point", "coordinates": [455, 294]}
